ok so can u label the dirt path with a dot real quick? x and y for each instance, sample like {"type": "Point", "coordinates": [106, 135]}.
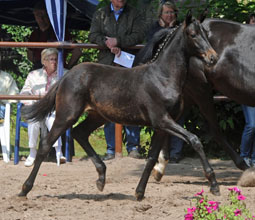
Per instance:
{"type": "Point", "coordinates": [69, 191]}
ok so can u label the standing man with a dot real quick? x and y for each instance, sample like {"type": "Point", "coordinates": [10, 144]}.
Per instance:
{"type": "Point", "coordinates": [117, 27]}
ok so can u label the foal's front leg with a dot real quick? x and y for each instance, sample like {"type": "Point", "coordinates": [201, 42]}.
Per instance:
{"type": "Point", "coordinates": [193, 140]}
{"type": "Point", "coordinates": [81, 134]}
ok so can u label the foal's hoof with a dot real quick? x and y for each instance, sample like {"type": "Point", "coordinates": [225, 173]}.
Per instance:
{"type": "Point", "coordinates": [242, 165]}
{"type": "Point", "coordinates": [157, 175]}
{"type": "Point", "coordinates": [22, 195]}
{"type": "Point", "coordinates": [100, 185]}
{"type": "Point", "coordinates": [215, 190]}
{"type": "Point", "coordinates": [139, 196]}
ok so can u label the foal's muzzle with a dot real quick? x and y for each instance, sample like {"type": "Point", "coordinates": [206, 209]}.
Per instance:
{"type": "Point", "coordinates": [210, 57]}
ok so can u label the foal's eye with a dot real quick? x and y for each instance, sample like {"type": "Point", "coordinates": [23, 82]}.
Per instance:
{"type": "Point", "coordinates": [193, 35]}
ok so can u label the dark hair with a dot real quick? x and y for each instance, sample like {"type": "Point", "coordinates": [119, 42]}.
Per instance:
{"type": "Point", "coordinates": [249, 17]}
{"type": "Point", "coordinates": [40, 5]}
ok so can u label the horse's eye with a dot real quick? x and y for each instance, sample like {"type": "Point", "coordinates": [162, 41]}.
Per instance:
{"type": "Point", "coordinates": [193, 35]}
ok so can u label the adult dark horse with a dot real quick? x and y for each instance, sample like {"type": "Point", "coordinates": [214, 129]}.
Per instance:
{"type": "Point", "coordinates": [148, 95]}
{"type": "Point", "coordinates": [233, 76]}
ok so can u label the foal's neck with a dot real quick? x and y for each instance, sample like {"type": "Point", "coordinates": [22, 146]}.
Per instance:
{"type": "Point", "coordinates": [173, 58]}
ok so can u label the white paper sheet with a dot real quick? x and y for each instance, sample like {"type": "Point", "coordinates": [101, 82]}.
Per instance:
{"type": "Point", "coordinates": [125, 59]}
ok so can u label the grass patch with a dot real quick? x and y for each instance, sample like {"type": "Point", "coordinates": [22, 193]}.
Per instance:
{"type": "Point", "coordinates": [96, 139]}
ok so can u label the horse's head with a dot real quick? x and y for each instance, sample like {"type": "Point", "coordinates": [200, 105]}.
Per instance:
{"type": "Point", "coordinates": [197, 41]}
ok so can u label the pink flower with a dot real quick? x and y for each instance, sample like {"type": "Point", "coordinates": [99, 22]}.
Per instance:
{"type": "Point", "coordinates": [235, 189]}
{"type": "Point", "coordinates": [188, 217]}
{"type": "Point", "coordinates": [214, 205]}
{"type": "Point", "coordinates": [241, 197]}
{"type": "Point", "coordinates": [191, 210]}
{"type": "Point", "coordinates": [209, 209]}
{"type": "Point", "coordinates": [200, 193]}
{"type": "Point", "coordinates": [237, 212]}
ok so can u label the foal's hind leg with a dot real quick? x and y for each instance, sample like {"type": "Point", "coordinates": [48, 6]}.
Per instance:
{"type": "Point", "coordinates": [152, 159]}
{"type": "Point", "coordinates": [159, 168]}
{"type": "Point", "coordinates": [63, 120]}
{"type": "Point", "coordinates": [44, 148]}
{"type": "Point", "coordinates": [81, 134]}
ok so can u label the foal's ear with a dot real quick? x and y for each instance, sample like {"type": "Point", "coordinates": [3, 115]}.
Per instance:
{"type": "Point", "coordinates": [188, 19]}
{"type": "Point", "coordinates": [203, 15]}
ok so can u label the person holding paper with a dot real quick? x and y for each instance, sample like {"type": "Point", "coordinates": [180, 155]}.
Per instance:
{"type": "Point", "coordinates": [117, 27]}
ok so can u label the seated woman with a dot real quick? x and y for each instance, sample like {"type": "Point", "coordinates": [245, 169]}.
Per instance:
{"type": "Point", "coordinates": [38, 82]}
{"type": "Point", "coordinates": [7, 87]}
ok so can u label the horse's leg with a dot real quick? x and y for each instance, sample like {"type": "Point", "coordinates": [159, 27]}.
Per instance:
{"type": "Point", "coordinates": [171, 127]}
{"type": "Point", "coordinates": [46, 141]}
{"type": "Point", "coordinates": [199, 90]}
{"type": "Point", "coordinates": [163, 141]}
{"type": "Point", "coordinates": [207, 109]}
{"type": "Point", "coordinates": [194, 141]}
{"type": "Point", "coordinates": [204, 100]}
{"type": "Point", "coordinates": [68, 111]}
{"type": "Point", "coordinates": [152, 159]}
{"type": "Point", "coordinates": [81, 134]}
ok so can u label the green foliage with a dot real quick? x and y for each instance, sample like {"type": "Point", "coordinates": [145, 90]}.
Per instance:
{"type": "Point", "coordinates": [88, 55]}
{"type": "Point", "coordinates": [232, 10]}
{"type": "Point", "coordinates": [19, 34]}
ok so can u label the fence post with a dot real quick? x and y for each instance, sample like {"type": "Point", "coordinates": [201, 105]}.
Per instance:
{"type": "Point", "coordinates": [118, 140]}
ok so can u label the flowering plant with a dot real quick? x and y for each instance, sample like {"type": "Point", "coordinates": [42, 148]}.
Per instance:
{"type": "Point", "coordinates": [205, 209]}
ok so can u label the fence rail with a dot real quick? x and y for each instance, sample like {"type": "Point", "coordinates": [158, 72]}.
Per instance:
{"type": "Point", "coordinates": [58, 45]}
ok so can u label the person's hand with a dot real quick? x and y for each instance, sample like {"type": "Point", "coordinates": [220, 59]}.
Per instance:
{"type": "Point", "coordinates": [162, 23]}
{"type": "Point", "coordinates": [111, 42]}
{"type": "Point", "coordinates": [116, 51]}
{"type": "Point", "coordinates": [172, 23]}
{"type": "Point", "coordinates": [27, 102]}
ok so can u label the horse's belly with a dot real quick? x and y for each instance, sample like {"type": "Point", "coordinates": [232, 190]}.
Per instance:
{"type": "Point", "coordinates": [125, 117]}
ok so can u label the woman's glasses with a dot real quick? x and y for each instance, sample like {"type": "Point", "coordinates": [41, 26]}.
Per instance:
{"type": "Point", "coordinates": [168, 12]}
{"type": "Point", "coordinates": [53, 59]}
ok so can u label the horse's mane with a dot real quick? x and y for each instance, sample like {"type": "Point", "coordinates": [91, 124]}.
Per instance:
{"type": "Point", "coordinates": [147, 53]}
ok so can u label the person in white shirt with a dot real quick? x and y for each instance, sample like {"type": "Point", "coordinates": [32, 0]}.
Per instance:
{"type": "Point", "coordinates": [8, 86]}
{"type": "Point", "coordinates": [38, 82]}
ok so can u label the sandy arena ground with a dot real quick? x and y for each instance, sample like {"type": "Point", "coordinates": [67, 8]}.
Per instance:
{"type": "Point", "coordinates": [70, 192]}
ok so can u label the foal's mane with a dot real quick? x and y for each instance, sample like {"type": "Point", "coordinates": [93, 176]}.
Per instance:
{"type": "Point", "coordinates": [151, 51]}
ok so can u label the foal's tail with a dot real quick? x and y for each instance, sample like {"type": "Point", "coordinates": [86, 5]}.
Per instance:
{"type": "Point", "coordinates": [39, 110]}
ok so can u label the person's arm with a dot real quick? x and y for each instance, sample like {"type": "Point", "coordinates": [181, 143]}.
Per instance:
{"type": "Point", "coordinates": [30, 51]}
{"type": "Point", "coordinates": [76, 54]}
{"type": "Point", "coordinates": [27, 90]}
{"type": "Point", "coordinates": [96, 35]}
{"type": "Point", "coordinates": [13, 88]}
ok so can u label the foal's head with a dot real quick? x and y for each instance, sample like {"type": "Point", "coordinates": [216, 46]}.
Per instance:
{"type": "Point", "coordinates": [197, 43]}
